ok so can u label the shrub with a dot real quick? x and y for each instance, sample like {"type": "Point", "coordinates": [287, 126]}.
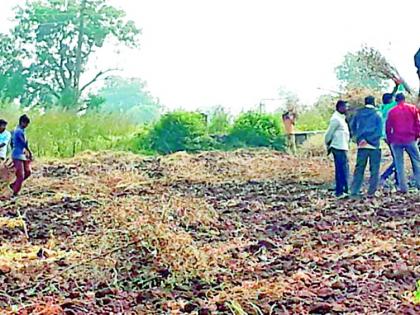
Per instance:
{"type": "Point", "coordinates": [177, 131]}
{"type": "Point", "coordinates": [141, 142]}
{"type": "Point", "coordinates": [256, 130]}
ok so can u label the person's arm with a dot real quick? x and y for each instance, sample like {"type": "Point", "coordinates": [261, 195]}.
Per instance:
{"type": "Point", "coordinates": [396, 87]}
{"type": "Point", "coordinates": [417, 123]}
{"type": "Point", "coordinates": [353, 126]}
{"type": "Point", "coordinates": [389, 128]}
{"type": "Point", "coordinates": [379, 126]}
{"type": "Point", "coordinates": [28, 150]}
{"type": "Point", "coordinates": [31, 156]}
{"type": "Point", "coordinates": [332, 128]}
{"type": "Point", "coordinates": [6, 140]}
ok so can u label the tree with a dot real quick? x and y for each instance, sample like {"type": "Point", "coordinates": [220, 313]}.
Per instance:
{"type": "Point", "coordinates": [354, 73]}
{"type": "Point", "coordinates": [13, 77]}
{"type": "Point", "coordinates": [60, 36]}
{"type": "Point", "coordinates": [130, 96]}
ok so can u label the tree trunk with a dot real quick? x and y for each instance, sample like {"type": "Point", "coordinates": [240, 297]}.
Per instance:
{"type": "Point", "coordinates": [78, 70]}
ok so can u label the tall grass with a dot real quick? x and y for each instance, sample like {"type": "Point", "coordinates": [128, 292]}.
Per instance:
{"type": "Point", "coordinates": [64, 134]}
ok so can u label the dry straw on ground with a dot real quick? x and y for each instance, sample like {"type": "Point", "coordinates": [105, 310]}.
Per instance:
{"type": "Point", "coordinates": [241, 232]}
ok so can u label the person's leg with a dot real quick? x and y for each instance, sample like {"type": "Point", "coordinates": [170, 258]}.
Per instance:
{"type": "Point", "coordinates": [339, 175]}
{"type": "Point", "coordinates": [390, 169]}
{"type": "Point", "coordinates": [414, 154]}
{"type": "Point", "coordinates": [374, 167]}
{"type": "Point", "coordinates": [394, 167]}
{"type": "Point", "coordinates": [288, 142]}
{"type": "Point", "coordinates": [346, 172]}
{"type": "Point", "coordinates": [27, 169]}
{"type": "Point", "coordinates": [20, 176]}
{"type": "Point", "coordinates": [398, 150]}
{"type": "Point", "coordinates": [388, 172]}
{"type": "Point", "coordinates": [293, 143]}
{"type": "Point", "coordinates": [359, 172]}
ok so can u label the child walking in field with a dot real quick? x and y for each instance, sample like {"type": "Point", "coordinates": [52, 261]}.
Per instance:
{"type": "Point", "coordinates": [21, 155]}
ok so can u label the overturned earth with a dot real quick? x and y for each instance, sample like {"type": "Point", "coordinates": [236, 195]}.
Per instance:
{"type": "Point", "coordinates": [244, 232]}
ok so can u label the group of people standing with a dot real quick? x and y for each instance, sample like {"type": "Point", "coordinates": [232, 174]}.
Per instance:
{"type": "Point", "coordinates": [21, 154]}
{"type": "Point", "coordinates": [395, 121]}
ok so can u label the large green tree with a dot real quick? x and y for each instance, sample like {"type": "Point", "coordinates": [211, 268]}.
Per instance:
{"type": "Point", "coordinates": [60, 36]}
{"type": "Point", "coordinates": [131, 97]}
{"type": "Point", "coordinates": [13, 77]}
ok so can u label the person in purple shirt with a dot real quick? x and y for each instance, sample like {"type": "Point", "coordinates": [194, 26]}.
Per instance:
{"type": "Point", "coordinates": [21, 155]}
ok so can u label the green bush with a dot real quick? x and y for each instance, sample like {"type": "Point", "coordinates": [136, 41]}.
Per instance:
{"type": "Point", "coordinates": [141, 142]}
{"type": "Point", "coordinates": [256, 130]}
{"type": "Point", "coordinates": [177, 131]}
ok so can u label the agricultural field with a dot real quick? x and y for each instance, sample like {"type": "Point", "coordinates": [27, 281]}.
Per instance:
{"type": "Point", "coordinates": [242, 232]}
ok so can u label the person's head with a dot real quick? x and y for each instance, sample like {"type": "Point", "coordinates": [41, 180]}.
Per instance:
{"type": "Point", "coordinates": [24, 121]}
{"type": "Point", "coordinates": [387, 98]}
{"type": "Point", "coordinates": [341, 107]}
{"type": "Point", "coordinates": [400, 98]}
{"type": "Point", "coordinates": [3, 125]}
{"type": "Point", "coordinates": [370, 100]}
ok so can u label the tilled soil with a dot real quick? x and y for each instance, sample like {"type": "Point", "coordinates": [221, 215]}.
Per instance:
{"type": "Point", "coordinates": [291, 248]}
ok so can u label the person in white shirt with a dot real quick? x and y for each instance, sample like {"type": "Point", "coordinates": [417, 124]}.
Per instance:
{"type": "Point", "coordinates": [5, 137]}
{"type": "Point", "coordinates": [337, 140]}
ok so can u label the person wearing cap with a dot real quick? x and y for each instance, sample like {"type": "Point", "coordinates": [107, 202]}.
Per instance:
{"type": "Point", "coordinates": [337, 140]}
{"type": "Point", "coordinates": [403, 133]}
{"type": "Point", "coordinates": [366, 128]}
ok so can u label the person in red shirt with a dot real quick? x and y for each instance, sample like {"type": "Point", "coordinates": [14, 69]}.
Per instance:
{"type": "Point", "coordinates": [403, 133]}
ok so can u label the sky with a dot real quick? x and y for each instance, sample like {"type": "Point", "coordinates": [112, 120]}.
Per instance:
{"type": "Point", "coordinates": [200, 53]}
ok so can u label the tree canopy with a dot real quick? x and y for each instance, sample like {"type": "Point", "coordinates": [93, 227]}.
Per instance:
{"type": "Point", "coordinates": [129, 96]}
{"type": "Point", "coordinates": [55, 40]}
{"type": "Point", "coordinates": [354, 73]}
{"type": "Point", "coordinates": [13, 77]}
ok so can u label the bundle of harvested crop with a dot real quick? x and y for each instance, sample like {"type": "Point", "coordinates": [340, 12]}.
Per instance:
{"type": "Point", "coordinates": [6, 174]}
{"type": "Point", "coordinates": [378, 66]}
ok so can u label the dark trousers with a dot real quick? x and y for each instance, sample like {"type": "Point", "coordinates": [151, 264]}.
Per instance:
{"type": "Point", "coordinates": [391, 169]}
{"type": "Point", "coordinates": [414, 154]}
{"type": "Point", "coordinates": [374, 158]}
{"type": "Point", "coordinates": [23, 171]}
{"type": "Point", "coordinates": [341, 163]}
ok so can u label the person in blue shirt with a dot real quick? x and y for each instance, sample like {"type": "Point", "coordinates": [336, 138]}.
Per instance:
{"type": "Point", "coordinates": [366, 128]}
{"type": "Point", "coordinates": [21, 154]}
